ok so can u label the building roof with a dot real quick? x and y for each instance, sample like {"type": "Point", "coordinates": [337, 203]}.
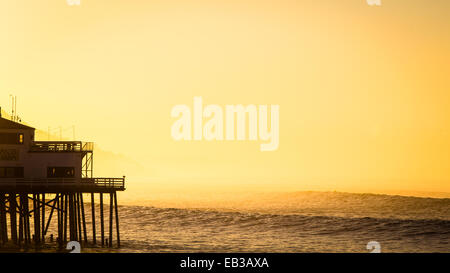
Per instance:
{"type": "Point", "coordinates": [8, 124]}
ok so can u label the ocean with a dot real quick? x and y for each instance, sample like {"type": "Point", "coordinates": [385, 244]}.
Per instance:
{"type": "Point", "coordinates": [295, 222]}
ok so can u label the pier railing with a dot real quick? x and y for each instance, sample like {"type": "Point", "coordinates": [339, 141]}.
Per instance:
{"type": "Point", "coordinates": [105, 182]}
{"type": "Point", "coordinates": [36, 181]}
{"type": "Point", "coordinates": [64, 183]}
{"type": "Point", "coordinates": [61, 146]}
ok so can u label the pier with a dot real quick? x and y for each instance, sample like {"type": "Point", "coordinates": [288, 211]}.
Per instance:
{"type": "Point", "coordinates": [24, 205]}
{"type": "Point", "coordinates": [44, 184]}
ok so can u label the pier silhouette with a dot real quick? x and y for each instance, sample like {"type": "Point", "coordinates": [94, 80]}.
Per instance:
{"type": "Point", "coordinates": [45, 181]}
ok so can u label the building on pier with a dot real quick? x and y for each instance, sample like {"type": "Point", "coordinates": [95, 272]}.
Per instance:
{"type": "Point", "coordinates": [41, 181]}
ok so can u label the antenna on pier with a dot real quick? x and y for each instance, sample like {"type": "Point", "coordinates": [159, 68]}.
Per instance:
{"type": "Point", "coordinates": [14, 116]}
{"type": "Point", "coordinates": [12, 106]}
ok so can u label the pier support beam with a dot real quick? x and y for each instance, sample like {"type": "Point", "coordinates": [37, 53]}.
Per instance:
{"type": "Point", "coordinates": [102, 226]}
{"type": "Point", "coordinates": [65, 216]}
{"type": "Point", "coordinates": [21, 225]}
{"type": "Point", "coordinates": [58, 203]}
{"type": "Point", "coordinates": [26, 218]}
{"type": "Point", "coordinates": [83, 218]}
{"type": "Point", "coordinates": [111, 219]}
{"type": "Point", "coordinates": [71, 217]}
{"type": "Point", "coordinates": [117, 219]}
{"type": "Point", "coordinates": [94, 239]}
{"type": "Point", "coordinates": [78, 207]}
{"type": "Point", "coordinates": [43, 219]}
{"type": "Point", "coordinates": [36, 218]}
{"type": "Point", "coordinates": [12, 216]}
{"type": "Point", "coordinates": [3, 223]}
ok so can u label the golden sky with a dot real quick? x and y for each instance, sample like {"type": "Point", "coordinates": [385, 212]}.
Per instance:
{"type": "Point", "coordinates": [364, 92]}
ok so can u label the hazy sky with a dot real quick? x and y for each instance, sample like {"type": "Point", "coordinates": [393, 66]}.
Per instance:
{"type": "Point", "coordinates": [364, 92]}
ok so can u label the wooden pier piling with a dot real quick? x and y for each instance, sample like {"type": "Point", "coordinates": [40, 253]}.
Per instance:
{"type": "Point", "coordinates": [94, 239]}
{"type": "Point", "coordinates": [21, 225]}
{"type": "Point", "coordinates": [110, 219]}
{"type": "Point", "coordinates": [102, 226]}
{"type": "Point", "coordinates": [62, 212]}
{"type": "Point", "coordinates": [13, 216]}
{"type": "Point", "coordinates": [3, 224]}
{"type": "Point", "coordinates": [117, 219]}
{"type": "Point", "coordinates": [43, 219]}
{"type": "Point", "coordinates": [78, 206]}
{"type": "Point", "coordinates": [83, 218]}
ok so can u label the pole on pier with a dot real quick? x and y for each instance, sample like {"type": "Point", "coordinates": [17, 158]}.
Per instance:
{"type": "Point", "coordinates": [43, 218]}
{"type": "Point", "coordinates": [83, 217]}
{"type": "Point", "coordinates": [20, 205]}
{"type": "Point", "coordinates": [78, 216]}
{"type": "Point", "coordinates": [37, 223]}
{"type": "Point", "coordinates": [12, 216]}
{"type": "Point", "coordinates": [34, 216]}
{"type": "Point", "coordinates": [3, 224]}
{"type": "Point", "coordinates": [1, 218]}
{"type": "Point", "coordinates": [26, 218]}
{"type": "Point", "coordinates": [54, 206]}
{"type": "Point", "coordinates": [93, 219]}
{"type": "Point", "coordinates": [23, 219]}
{"type": "Point", "coordinates": [71, 235]}
{"type": "Point", "coordinates": [57, 203]}
{"type": "Point", "coordinates": [117, 219]}
{"type": "Point", "coordinates": [65, 217]}
{"type": "Point", "coordinates": [102, 226]}
{"type": "Point", "coordinates": [2, 215]}
{"type": "Point", "coordinates": [110, 219]}
{"type": "Point", "coordinates": [71, 220]}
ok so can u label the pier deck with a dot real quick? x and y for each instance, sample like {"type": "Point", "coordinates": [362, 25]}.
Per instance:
{"type": "Point", "coordinates": [26, 200]}
{"type": "Point", "coordinates": [57, 185]}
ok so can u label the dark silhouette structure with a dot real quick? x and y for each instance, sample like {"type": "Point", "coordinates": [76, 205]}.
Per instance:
{"type": "Point", "coordinates": [45, 181]}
